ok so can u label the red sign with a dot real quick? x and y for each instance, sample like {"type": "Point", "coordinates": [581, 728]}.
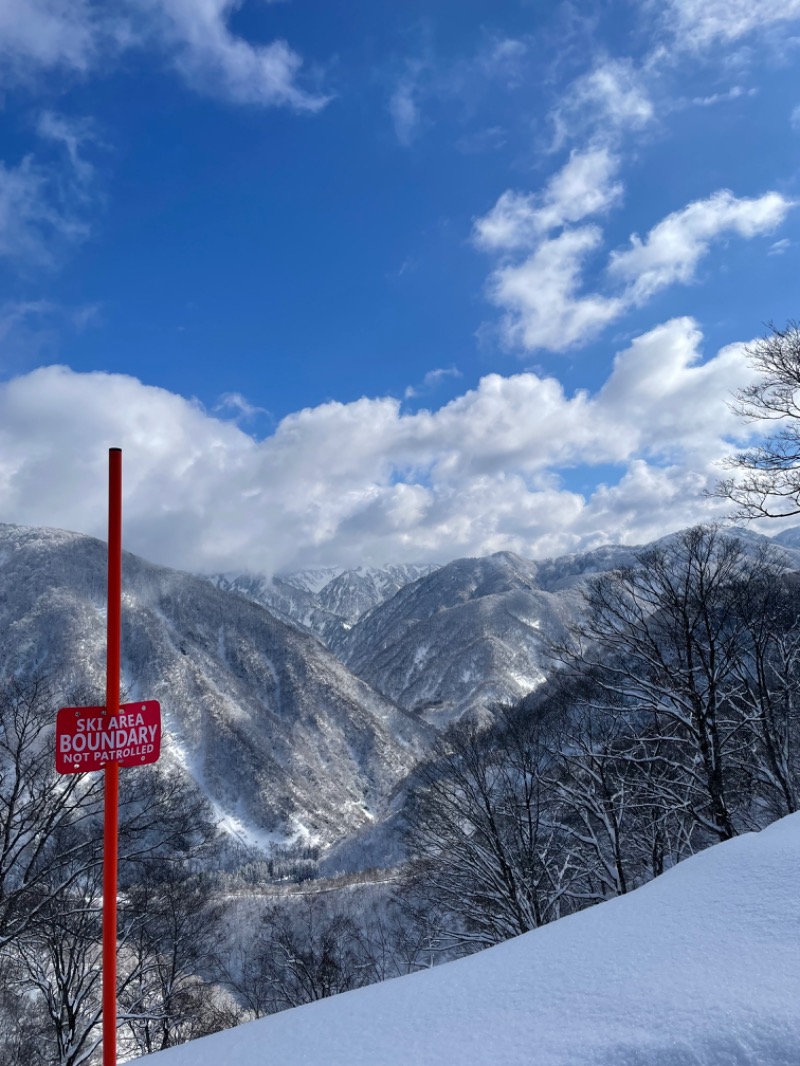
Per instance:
{"type": "Point", "coordinates": [88, 739]}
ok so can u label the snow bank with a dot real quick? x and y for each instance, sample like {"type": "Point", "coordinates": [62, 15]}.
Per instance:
{"type": "Point", "coordinates": [700, 967]}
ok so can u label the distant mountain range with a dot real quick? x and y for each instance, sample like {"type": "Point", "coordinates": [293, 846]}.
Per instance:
{"type": "Point", "coordinates": [288, 738]}
{"type": "Point", "coordinates": [460, 637]}
{"type": "Point", "coordinates": [325, 602]}
{"type": "Point", "coordinates": [458, 640]}
{"type": "Point", "coordinates": [438, 641]}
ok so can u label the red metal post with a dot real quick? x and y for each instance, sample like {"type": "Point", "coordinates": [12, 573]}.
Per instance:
{"type": "Point", "coordinates": [111, 798]}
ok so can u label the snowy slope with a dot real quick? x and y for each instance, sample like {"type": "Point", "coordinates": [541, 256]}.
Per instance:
{"type": "Point", "coordinates": [292, 602]}
{"type": "Point", "coordinates": [788, 538]}
{"type": "Point", "coordinates": [312, 581]}
{"type": "Point", "coordinates": [700, 967]}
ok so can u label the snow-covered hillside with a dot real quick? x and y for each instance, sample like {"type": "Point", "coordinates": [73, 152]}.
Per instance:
{"type": "Point", "coordinates": [353, 593]}
{"type": "Point", "coordinates": [325, 602]}
{"type": "Point", "coordinates": [278, 735]}
{"type": "Point", "coordinates": [476, 631]}
{"type": "Point", "coordinates": [291, 601]}
{"type": "Point", "coordinates": [700, 967]}
{"type": "Point", "coordinates": [472, 633]}
{"type": "Point", "coordinates": [788, 538]}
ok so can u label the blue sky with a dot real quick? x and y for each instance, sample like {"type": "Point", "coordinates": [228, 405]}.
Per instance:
{"type": "Point", "coordinates": [358, 283]}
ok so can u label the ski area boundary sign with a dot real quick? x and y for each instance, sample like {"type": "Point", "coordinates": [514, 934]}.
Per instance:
{"type": "Point", "coordinates": [89, 738]}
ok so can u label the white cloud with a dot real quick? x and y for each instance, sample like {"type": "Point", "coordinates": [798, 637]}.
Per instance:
{"type": "Point", "coordinates": [543, 296]}
{"type": "Point", "coordinates": [239, 405]}
{"type": "Point", "coordinates": [365, 481]}
{"type": "Point", "coordinates": [734, 93]}
{"type": "Point", "coordinates": [586, 185]}
{"type": "Point", "coordinates": [433, 377]}
{"type": "Point", "coordinates": [212, 59]}
{"type": "Point", "coordinates": [609, 99]}
{"type": "Point", "coordinates": [671, 250]}
{"type": "Point", "coordinates": [779, 247]}
{"type": "Point", "coordinates": [43, 206]}
{"type": "Point", "coordinates": [431, 380]}
{"type": "Point", "coordinates": [81, 35]}
{"type": "Point", "coordinates": [35, 218]}
{"type": "Point", "coordinates": [46, 34]}
{"type": "Point", "coordinates": [72, 133]}
{"type": "Point", "coordinates": [503, 59]}
{"type": "Point", "coordinates": [677, 402]}
{"type": "Point", "coordinates": [404, 109]}
{"type": "Point", "coordinates": [650, 500]}
{"type": "Point", "coordinates": [701, 23]}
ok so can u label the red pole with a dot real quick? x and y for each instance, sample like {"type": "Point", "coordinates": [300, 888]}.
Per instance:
{"type": "Point", "coordinates": [111, 797]}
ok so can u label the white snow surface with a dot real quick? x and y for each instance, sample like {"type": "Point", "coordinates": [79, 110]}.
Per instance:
{"type": "Point", "coordinates": [701, 967]}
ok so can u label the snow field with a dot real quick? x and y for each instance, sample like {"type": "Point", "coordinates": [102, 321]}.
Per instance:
{"type": "Point", "coordinates": [701, 967]}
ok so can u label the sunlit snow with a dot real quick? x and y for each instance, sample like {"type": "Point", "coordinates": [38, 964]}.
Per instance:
{"type": "Point", "coordinates": [701, 967]}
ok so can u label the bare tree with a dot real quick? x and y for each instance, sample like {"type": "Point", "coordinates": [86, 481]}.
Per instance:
{"type": "Point", "coordinates": [397, 934]}
{"type": "Point", "coordinates": [478, 824]}
{"type": "Point", "coordinates": [595, 794]}
{"type": "Point", "coordinates": [171, 923]}
{"type": "Point", "coordinates": [614, 800]}
{"type": "Point", "coordinates": [38, 858]}
{"type": "Point", "coordinates": [58, 948]}
{"type": "Point", "coordinates": [24, 1026]}
{"type": "Point", "coordinates": [769, 675]}
{"type": "Point", "coordinates": [60, 957]}
{"type": "Point", "coordinates": [767, 479]}
{"type": "Point", "coordinates": [665, 641]}
{"type": "Point", "coordinates": [50, 861]}
{"type": "Point", "coordinates": [164, 817]}
{"type": "Point", "coordinates": [307, 948]}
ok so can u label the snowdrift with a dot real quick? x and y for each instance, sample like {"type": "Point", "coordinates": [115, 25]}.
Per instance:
{"type": "Point", "coordinates": [701, 967]}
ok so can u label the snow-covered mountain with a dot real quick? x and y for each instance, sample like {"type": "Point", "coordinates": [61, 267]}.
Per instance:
{"type": "Point", "coordinates": [277, 732]}
{"type": "Point", "coordinates": [293, 603]}
{"type": "Point", "coordinates": [273, 728]}
{"type": "Point", "coordinates": [354, 592]}
{"type": "Point", "coordinates": [788, 538]}
{"type": "Point", "coordinates": [697, 968]}
{"type": "Point", "coordinates": [459, 639]}
{"type": "Point", "coordinates": [439, 641]}
{"type": "Point", "coordinates": [476, 631]}
{"type": "Point", "coordinates": [313, 580]}
{"type": "Point", "coordinates": [325, 602]}
{"type": "Point", "coordinates": [568, 571]}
